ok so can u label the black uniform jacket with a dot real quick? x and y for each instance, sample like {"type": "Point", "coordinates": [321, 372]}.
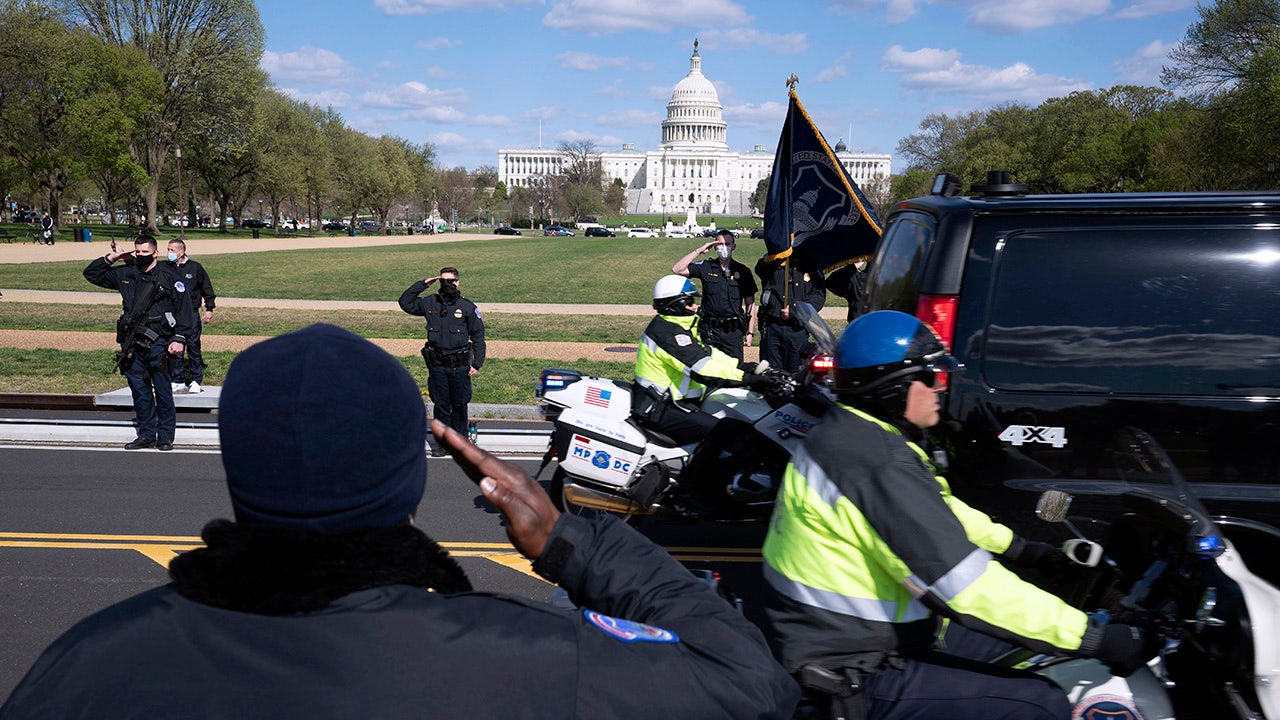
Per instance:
{"type": "Point", "coordinates": [198, 283]}
{"type": "Point", "coordinates": [398, 651]}
{"type": "Point", "coordinates": [129, 282]}
{"type": "Point", "coordinates": [452, 327]}
{"type": "Point", "coordinates": [805, 284]}
{"type": "Point", "coordinates": [723, 293]}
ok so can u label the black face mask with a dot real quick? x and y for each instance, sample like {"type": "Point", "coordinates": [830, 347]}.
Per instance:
{"type": "Point", "coordinates": [449, 289]}
{"type": "Point", "coordinates": [142, 262]}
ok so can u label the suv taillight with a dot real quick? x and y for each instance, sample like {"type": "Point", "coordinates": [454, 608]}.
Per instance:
{"type": "Point", "coordinates": [939, 313]}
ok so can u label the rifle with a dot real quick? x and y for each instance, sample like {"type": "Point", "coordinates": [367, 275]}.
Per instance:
{"type": "Point", "coordinates": [130, 326]}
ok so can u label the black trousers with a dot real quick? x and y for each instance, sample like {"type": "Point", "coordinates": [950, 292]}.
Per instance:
{"type": "Point", "coordinates": [959, 684]}
{"type": "Point", "coordinates": [780, 345]}
{"type": "Point", "coordinates": [192, 369]}
{"type": "Point", "coordinates": [685, 428]}
{"type": "Point", "coordinates": [450, 391]}
{"type": "Point", "coordinates": [727, 341]}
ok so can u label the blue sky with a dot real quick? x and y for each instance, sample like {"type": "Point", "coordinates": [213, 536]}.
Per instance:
{"type": "Point", "coordinates": [471, 76]}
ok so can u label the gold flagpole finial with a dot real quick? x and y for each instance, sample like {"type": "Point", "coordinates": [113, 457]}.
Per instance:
{"type": "Point", "coordinates": [791, 81]}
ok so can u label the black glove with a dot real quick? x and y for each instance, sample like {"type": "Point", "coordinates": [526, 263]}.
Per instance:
{"type": "Point", "coordinates": [1048, 559]}
{"type": "Point", "coordinates": [1125, 648]}
{"type": "Point", "coordinates": [759, 383]}
{"type": "Point", "coordinates": [749, 368]}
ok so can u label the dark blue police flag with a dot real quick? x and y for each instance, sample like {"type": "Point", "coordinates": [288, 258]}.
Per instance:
{"type": "Point", "coordinates": [815, 214]}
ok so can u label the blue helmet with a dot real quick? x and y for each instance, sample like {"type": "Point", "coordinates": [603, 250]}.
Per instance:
{"type": "Point", "coordinates": [880, 353]}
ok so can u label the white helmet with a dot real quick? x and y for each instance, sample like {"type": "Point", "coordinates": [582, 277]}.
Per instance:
{"type": "Point", "coordinates": [673, 294]}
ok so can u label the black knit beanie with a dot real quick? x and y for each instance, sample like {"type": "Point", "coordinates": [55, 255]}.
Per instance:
{"type": "Point", "coordinates": [322, 430]}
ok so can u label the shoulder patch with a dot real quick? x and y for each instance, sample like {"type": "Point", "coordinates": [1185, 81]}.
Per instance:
{"type": "Point", "coordinates": [180, 286]}
{"type": "Point", "coordinates": [477, 312]}
{"type": "Point", "coordinates": [683, 340]}
{"type": "Point", "coordinates": [627, 631]}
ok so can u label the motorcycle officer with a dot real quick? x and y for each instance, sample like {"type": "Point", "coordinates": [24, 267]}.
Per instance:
{"type": "Point", "coordinates": [868, 551]}
{"type": "Point", "coordinates": [674, 366]}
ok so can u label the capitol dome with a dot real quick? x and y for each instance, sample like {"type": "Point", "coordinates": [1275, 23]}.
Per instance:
{"type": "Point", "coordinates": [695, 118]}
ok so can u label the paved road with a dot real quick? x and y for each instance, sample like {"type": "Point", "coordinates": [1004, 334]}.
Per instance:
{"type": "Point", "coordinates": [86, 527]}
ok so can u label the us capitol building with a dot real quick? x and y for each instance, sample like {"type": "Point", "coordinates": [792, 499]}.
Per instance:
{"type": "Point", "coordinates": [693, 168]}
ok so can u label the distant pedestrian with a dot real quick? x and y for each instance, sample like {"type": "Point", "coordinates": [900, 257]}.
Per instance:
{"type": "Point", "coordinates": [189, 375]}
{"type": "Point", "coordinates": [455, 348]}
{"type": "Point", "coordinates": [46, 228]}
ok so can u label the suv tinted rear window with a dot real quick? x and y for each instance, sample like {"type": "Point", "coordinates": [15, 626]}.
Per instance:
{"type": "Point", "coordinates": [899, 264]}
{"type": "Point", "coordinates": [1168, 311]}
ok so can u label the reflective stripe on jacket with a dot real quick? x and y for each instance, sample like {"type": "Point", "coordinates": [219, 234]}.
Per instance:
{"type": "Point", "coordinates": [671, 357]}
{"type": "Point", "coordinates": [867, 544]}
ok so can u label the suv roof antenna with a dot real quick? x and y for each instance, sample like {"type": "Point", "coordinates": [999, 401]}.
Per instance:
{"type": "Point", "coordinates": [999, 183]}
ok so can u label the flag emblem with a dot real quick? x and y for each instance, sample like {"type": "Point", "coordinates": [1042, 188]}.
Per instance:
{"type": "Point", "coordinates": [598, 397]}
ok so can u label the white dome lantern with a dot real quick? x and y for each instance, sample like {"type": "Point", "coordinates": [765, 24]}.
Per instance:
{"type": "Point", "coordinates": [695, 118]}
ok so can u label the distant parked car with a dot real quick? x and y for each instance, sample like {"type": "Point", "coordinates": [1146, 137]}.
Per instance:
{"type": "Point", "coordinates": [505, 230]}
{"type": "Point", "coordinates": [711, 232]}
{"type": "Point", "coordinates": [678, 234]}
{"type": "Point", "coordinates": [334, 225]}
{"type": "Point", "coordinates": [558, 231]}
{"type": "Point", "coordinates": [757, 233]}
{"type": "Point", "coordinates": [254, 223]}
{"type": "Point", "coordinates": [369, 226]}
{"type": "Point", "coordinates": [642, 232]}
{"type": "Point", "coordinates": [598, 231]}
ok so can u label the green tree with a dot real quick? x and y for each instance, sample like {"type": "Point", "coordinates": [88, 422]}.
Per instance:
{"type": "Point", "coordinates": [206, 52]}
{"type": "Point", "coordinates": [615, 196]}
{"type": "Point", "coordinates": [65, 99]}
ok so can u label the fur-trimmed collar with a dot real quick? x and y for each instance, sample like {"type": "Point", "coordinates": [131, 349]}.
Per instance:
{"type": "Point", "coordinates": [275, 571]}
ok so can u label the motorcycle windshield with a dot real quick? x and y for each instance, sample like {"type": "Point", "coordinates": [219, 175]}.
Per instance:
{"type": "Point", "coordinates": [817, 327]}
{"type": "Point", "coordinates": [1146, 469]}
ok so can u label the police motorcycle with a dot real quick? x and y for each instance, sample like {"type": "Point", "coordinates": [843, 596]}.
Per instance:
{"type": "Point", "coordinates": [609, 463]}
{"type": "Point", "coordinates": [1167, 565]}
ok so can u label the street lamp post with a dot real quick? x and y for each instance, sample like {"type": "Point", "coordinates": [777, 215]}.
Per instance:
{"type": "Point", "coordinates": [182, 227]}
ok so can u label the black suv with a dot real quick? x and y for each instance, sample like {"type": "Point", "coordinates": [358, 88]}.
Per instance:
{"type": "Point", "coordinates": [1076, 315]}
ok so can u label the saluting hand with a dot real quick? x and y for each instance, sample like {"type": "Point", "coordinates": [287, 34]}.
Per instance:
{"type": "Point", "coordinates": [525, 507]}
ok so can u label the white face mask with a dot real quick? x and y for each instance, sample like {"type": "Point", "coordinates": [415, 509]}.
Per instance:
{"type": "Point", "coordinates": [724, 251]}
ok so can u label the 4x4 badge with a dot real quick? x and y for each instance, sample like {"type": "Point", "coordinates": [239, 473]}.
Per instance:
{"type": "Point", "coordinates": [1018, 434]}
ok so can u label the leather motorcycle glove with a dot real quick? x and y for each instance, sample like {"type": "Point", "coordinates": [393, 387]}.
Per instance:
{"type": "Point", "coordinates": [1126, 648]}
{"type": "Point", "coordinates": [1048, 559]}
{"type": "Point", "coordinates": [759, 383]}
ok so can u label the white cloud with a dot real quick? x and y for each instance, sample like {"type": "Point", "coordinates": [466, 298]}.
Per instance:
{"type": "Point", "coordinates": [544, 112]}
{"type": "Point", "coordinates": [659, 92]}
{"type": "Point", "coordinates": [614, 89]}
{"type": "Point", "coordinates": [766, 116]}
{"type": "Point", "coordinates": [752, 39]}
{"type": "Point", "coordinates": [412, 95]}
{"type": "Point", "coordinates": [435, 72]}
{"type": "Point", "coordinates": [492, 121]}
{"type": "Point", "coordinates": [324, 99]}
{"type": "Point", "coordinates": [613, 16]}
{"type": "Point", "coordinates": [1020, 15]}
{"type": "Point", "coordinates": [306, 64]}
{"type": "Point", "coordinates": [435, 114]}
{"type": "Point", "coordinates": [437, 43]}
{"type": "Point", "coordinates": [447, 139]}
{"type": "Point", "coordinates": [896, 11]}
{"type": "Point", "coordinates": [421, 7]}
{"type": "Point", "coordinates": [836, 70]}
{"type": "Point", "coordinates": [590, 63]}
{"type": "Point", "coordinates": [631, 118]}
{"type": "Point", "coordinates": [1144, 66]}
{"type": "Point", "coordinates": [1147, 8]}
{"type": "Point", "coordinates": [933, 71]}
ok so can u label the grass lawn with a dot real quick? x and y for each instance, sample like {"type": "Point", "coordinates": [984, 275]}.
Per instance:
{"type": "Point", "coordinates": [519, 270]}
{"type": "Point", "coordinates": [508, 382]}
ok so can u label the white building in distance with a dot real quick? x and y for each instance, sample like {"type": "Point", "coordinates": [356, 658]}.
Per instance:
{"type": "Point", "coordinates": [693, 167]}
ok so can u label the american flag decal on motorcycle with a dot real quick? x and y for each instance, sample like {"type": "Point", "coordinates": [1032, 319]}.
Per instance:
{"type": "Point", "coordinates": [598, 397]}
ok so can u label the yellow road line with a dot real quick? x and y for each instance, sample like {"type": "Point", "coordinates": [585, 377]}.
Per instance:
{"type": "Point", "coordinates": [163, 548]}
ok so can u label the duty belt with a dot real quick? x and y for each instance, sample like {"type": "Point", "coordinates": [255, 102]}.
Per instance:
{"type": "Point", "coordinates": [722, 323]}
{"type": "Point", "coordinates": [455, 360]}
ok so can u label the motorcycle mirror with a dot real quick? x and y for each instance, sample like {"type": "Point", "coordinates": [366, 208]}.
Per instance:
{"type": "Point", "coordinates": [1082, 552]}
{"type": "Point", "coordinates": [1053, 506]}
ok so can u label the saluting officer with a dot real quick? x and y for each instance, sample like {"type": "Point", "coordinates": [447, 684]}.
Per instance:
{"type": "Point", "coordinates": [454, 350]}
{"type": "Point", "coordinates": [784, 283]}
{"type": "Point", "coordinates": [727, 317]}
{"type": "Point", "coordinates": [154, 295]}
